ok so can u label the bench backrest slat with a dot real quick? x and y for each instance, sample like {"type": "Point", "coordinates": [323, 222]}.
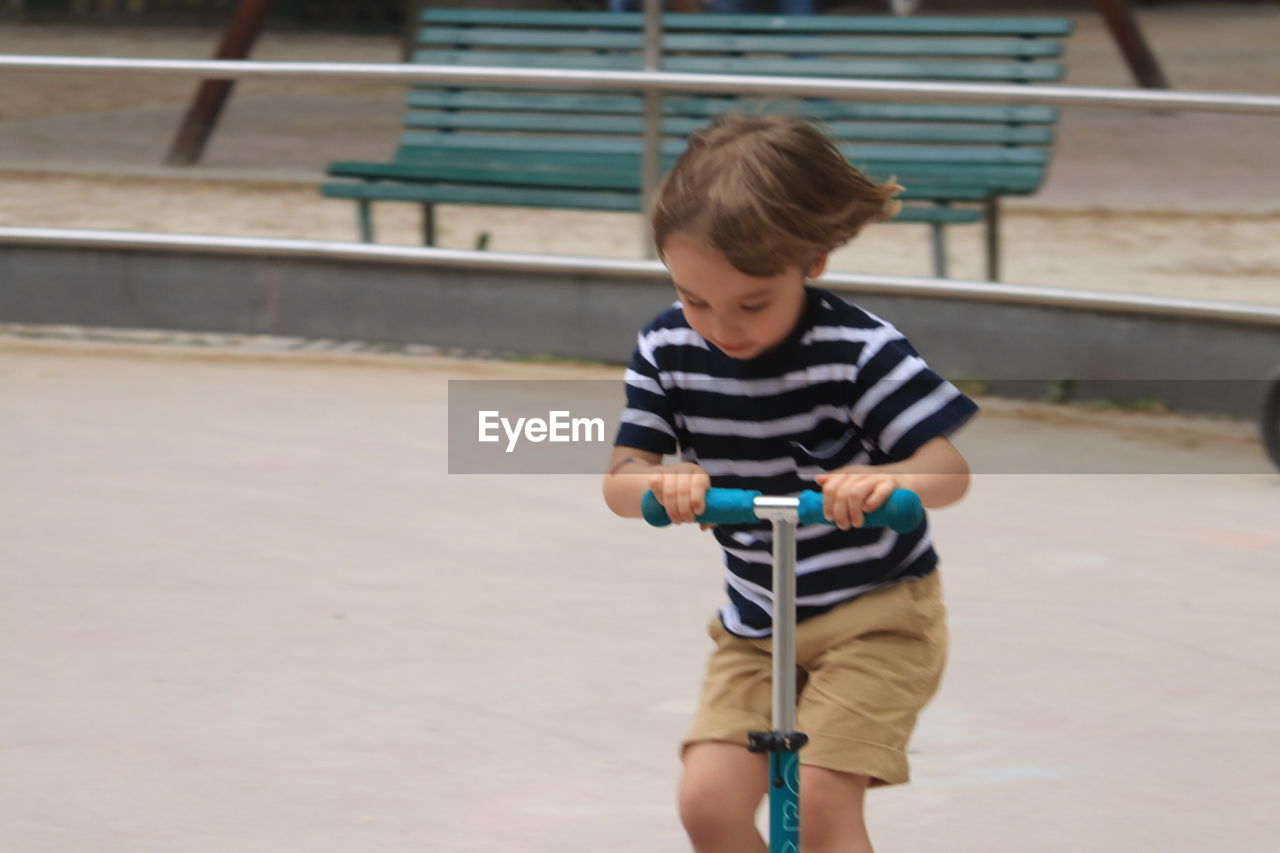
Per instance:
{"type": "Point", "coordinates": [720, 43]}
{"type": "Point", "coordinates": [680, 105]}
{"type": "Point", "coordinates": [674, 21]}
{"type": "Point", "coordinates": [684, 127]}
{"type": "Point", "coordinates": [786, 66]}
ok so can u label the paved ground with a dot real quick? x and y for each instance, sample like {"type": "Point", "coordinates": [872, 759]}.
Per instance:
{"type": "Point", "coordinates": [246, 609]}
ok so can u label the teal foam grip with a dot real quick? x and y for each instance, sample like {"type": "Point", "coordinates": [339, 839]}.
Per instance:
{"type": "Point", "coordinates": [723, 506]}
{"type": "Point", "coordinates": [902, 512]}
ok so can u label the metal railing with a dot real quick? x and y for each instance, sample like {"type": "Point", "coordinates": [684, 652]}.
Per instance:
{"type": "Point", "coordinates": [661, 81]}
{"type": "Point", "coordinates": [665, 82]}
{"type": "Point", "coordinates": [374, 253]}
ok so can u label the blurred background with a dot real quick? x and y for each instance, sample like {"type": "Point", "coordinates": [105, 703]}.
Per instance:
{"type": "Point", "coordinates": [1179, 204]}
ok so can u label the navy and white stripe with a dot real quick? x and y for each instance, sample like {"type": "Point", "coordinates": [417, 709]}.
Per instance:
{"type": "Point", "coordinates": [845, 388]}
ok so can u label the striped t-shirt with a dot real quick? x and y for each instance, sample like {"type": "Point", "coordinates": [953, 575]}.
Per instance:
{"type": "Point", "coordinates": [844, 388]}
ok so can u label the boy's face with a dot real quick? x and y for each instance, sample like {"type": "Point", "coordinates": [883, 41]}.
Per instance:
{"type": "Point", "coordinates": [744, 316]}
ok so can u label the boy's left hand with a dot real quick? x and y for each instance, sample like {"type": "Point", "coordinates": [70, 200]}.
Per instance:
{"type": "Point", "coordinates": [849, 493]}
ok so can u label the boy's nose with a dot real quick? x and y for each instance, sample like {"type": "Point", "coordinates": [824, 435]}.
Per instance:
{"type": "Point", "coordinates": [723, 330]}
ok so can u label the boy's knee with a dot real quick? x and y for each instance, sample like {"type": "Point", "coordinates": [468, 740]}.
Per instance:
{"type": "Point", "coordinates": [831, 810]}
{"type": "Point", "coordinates": [719, 792]}
{"type": "Point", "coordinates": [712, 811]}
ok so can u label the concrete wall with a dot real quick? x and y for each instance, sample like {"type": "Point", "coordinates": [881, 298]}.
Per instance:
{"type": "Point", "coordinates": [1018, 350]}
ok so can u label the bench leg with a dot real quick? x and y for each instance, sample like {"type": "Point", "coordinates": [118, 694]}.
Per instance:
{"type": "Point", "coordinates": [428, 225]}
{"type": "Point", "coordinates": [993, 239]}
{"type": "Point", "coordinates": [364, 216]}
{"type": "Point", "coordinates": [939, 250]}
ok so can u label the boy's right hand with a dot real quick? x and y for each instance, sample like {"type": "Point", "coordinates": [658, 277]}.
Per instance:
{"type": "Point", "coordinates": [681, 489]}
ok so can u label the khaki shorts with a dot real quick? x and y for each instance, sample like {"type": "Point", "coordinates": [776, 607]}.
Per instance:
{"type": "Point", "coordinates": [864, 671]}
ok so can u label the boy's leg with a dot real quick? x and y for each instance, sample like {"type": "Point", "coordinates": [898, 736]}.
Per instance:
{"type": "Point", "coordinates": [720, 790]}
{"type": "Point", "coordinates": [831, 812]}
{"type": "Point", "coordinates": [871, 665]}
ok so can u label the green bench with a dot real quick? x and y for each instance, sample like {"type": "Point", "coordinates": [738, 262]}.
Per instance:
{"type": "Point", "coordinates": [520, 147]}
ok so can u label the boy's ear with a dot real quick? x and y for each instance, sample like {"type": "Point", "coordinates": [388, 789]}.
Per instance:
{"type": "Point", "coordinates": [818, 267]}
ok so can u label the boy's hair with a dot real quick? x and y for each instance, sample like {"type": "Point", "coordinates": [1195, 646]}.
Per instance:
{"type": "Point", "coordinates": [767, 192]}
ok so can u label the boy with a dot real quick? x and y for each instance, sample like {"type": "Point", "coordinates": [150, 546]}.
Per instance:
{"type": "Point", "coordinates": [763, 382]}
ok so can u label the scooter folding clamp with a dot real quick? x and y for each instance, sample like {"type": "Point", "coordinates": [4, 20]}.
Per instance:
{"type": "Point", "coordinates": [776, 741]}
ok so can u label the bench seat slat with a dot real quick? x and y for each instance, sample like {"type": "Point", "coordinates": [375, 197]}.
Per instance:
{"type": "Point", "coordinates": [792, 67]}
{"type": "Point", "coordinates": [445, 193]}
{"type": "Point", "coordinates": [476, 194]}
{"type": "Point", "coordinates": [557, 101]}
{"type": "Point", "coordinates": [583, 159]}
{"type": "Point", "coordinates": [616, 175]}
{"type": "Point", "coordinates": [944, 215]}
{"type": "Point", "coordinates": [719, 43]}
{"type": "Point", "coordinates": [876, 24]}
{"type": "Point", "coordinates": [617, 170]}
{"type": "Point", "coordinates": [564, 174]}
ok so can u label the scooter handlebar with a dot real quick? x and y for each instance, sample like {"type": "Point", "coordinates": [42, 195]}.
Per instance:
{"type": "Point", "coordinates": [902, 512]}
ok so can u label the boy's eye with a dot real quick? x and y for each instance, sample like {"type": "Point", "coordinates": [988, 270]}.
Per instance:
{"type": "Point", "coordinates": [755, 308]}
{"type": "Point", "coordinates": [689, 303]}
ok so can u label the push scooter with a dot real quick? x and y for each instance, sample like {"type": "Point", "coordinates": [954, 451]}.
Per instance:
{"type": "Point", "coordinates": [902, 512]}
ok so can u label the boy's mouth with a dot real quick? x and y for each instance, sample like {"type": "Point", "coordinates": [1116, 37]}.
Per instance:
{"type": "Point", "coordinates": [733, 350]}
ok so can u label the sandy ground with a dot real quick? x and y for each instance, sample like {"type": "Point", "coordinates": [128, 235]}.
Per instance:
{"type": "Point", "coordinates": [1234, 258]}
{"type": "Point", "coordinates": [1176, 204]}
{"type": "Point", "coordinates": [246, 608]}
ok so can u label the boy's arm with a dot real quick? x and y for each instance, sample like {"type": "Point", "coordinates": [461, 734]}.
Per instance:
{"type": "Point", "coordinates": [937, 472]}
{"type": "Point", "coordinates": [632, 472]}
{"type": "Point", "coordinates": [623, 487]}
